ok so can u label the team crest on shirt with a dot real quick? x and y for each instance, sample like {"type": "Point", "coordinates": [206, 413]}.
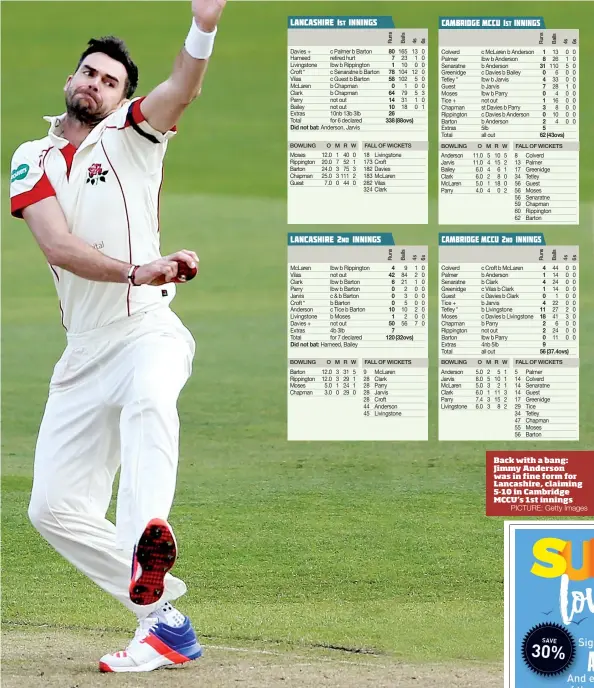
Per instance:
{"type": "Point", "coordinates": [96, 173]}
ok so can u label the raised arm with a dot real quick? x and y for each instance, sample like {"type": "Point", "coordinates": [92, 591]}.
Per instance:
{"type": "Point", "coordinates": [165, 104]}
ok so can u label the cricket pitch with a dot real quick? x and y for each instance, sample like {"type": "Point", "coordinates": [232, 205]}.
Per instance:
{"type": "Point", "coordinates": [64, 658]}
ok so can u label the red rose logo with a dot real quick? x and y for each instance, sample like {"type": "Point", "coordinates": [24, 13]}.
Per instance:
{"type": "Point", "coordinates": [96, 173]}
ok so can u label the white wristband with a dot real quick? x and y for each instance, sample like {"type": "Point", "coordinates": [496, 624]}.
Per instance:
{"type": "Point", "coordinates": [199, 44]}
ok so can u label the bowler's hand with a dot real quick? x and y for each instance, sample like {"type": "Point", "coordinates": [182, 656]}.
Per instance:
{"type": "Point", "coordinates": [164, 270]}
{"type": "Point", "coordinates": [207, 13]}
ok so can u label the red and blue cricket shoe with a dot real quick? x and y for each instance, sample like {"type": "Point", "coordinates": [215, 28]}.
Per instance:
{"type": "Point", "coordinates": [153, 557]}
{"type": "Point", "coordinates": [155, 645]}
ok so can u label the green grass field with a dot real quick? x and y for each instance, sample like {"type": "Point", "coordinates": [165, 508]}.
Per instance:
{"type": "Point", "coordinates": [381, 546]}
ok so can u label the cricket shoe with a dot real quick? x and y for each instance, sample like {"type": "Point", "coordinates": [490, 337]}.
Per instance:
{"type": "Point", "coordinates": [153, 557]}
{"type": "Point", "coordinates": [155, 645]}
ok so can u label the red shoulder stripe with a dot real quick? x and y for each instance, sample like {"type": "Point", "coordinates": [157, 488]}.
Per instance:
{"type": "Point", "coordinates": [43, 189]}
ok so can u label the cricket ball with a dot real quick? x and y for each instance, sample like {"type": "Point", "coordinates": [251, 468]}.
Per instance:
{"type": "Point", "coordinates": [184, 272]}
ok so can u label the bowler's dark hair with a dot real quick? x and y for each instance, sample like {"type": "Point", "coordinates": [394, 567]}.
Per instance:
{"type": "Point", "coordinates": [116, 49]}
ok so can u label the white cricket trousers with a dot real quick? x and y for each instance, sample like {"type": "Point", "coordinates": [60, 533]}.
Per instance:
{"type": "Point", "coordinates": [112, 404]}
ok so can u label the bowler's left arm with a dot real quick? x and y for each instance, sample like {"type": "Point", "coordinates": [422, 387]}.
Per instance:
{"type": "Point", "coordinates": [164, 105]}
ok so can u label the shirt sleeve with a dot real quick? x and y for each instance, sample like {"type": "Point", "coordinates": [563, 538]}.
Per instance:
{"type": "Point", "coordinates": [145, 143]}
{"type": "Point", "coordinates": [28, 180]}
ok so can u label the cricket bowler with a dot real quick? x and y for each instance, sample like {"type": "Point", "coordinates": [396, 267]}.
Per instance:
{"type": "Point", "coordinates": [89, 192]}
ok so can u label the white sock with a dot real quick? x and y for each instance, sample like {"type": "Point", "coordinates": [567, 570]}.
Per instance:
{"type": "Point", "coordinates": [170, 615]}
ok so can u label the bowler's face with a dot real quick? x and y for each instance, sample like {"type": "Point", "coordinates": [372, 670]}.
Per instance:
{"type": "Point", "coordinates": [97, 88]}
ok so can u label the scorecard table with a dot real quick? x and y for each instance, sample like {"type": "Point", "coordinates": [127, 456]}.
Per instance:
{"type": "Point", "coordinates": [509, 338]}
{"type": "Point", "coordinates": [508, 122]}
{"type": "Point", "coordinates": [357, 121]}
{"type": "Point", "coordinates": [357, 338]}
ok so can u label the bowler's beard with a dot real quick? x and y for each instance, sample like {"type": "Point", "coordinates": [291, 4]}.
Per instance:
{"type": "Point", "coordinates": [81, 113]}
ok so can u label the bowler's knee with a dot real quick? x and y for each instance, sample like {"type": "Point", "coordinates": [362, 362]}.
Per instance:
{"type": "Point", "coordinates": [47, 500]}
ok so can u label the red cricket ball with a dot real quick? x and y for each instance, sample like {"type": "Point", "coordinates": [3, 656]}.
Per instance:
{"type": "Point", "coordinates": [184, 272]}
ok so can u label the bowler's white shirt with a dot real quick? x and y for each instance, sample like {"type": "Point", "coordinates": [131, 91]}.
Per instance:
{"type": "Point", "coordinates": [109, 191]}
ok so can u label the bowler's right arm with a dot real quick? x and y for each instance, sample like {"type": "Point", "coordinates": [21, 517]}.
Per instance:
{"type": "Point", "coordinates": [64, 250]}
{"type": "Point", "coordinates": [48, 224]}
{"type": "Point", "coordinates": [34, 199]}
